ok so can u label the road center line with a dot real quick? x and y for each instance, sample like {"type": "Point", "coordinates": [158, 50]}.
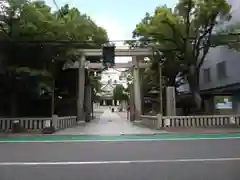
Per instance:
{"type": "Point", "coordinates": [116, 162]}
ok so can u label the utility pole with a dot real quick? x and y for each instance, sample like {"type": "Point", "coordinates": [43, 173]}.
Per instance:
{"type": "Point", "coordinates": [160, 87]}
{"type": "Point", "coordinates": [53, 97]}
{"type": "Point", "coordinates": [53, 87]}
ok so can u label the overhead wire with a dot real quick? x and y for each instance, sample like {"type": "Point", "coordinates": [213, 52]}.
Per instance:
{"type": "Point", "coordinates": [126, 42]}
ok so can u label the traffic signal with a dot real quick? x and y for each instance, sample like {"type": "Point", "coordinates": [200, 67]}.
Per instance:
{"type": "Point", "coordinates": [108, 55]}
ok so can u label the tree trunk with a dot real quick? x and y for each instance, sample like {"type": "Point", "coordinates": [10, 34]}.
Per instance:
{"type": "Point", "coordinates": [197, 97]}
{"type": "Point", "coordinates": [193, 80]}
{"type": "Point", "coordinates": [13, 105]}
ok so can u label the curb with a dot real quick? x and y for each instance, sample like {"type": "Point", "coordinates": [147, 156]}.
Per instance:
{"type": "Point", "coordinates": [105, 135]}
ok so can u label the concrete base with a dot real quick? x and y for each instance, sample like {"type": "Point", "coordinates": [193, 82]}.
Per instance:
{"type": "Point", "coordinates": [17, 128]}
{"type": "Point", "coordinates": [48, 130]}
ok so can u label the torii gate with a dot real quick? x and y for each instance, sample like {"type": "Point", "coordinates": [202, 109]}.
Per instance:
{"type": "Point", "coordinates": [137, 54]}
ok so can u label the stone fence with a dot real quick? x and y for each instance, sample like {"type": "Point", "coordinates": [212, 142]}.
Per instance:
{"type": "Point", "coordinates": [64, 122]}
{"type": "Point", "coordinates": [158, 122]}
{"type": "Point", "coordinates": [36, 124]}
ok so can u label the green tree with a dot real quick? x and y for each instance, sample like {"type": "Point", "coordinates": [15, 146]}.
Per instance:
{"type": "Point", "coordinates": [33, 39]}
{"type": "Point", "coordinates": [229, 36]}
{"type": "Point", "coordinates": [185, 33]}
{"type": "Point", "coordinates": [96, 85]}
{"type": "Point", "coordinates": [119, 93]}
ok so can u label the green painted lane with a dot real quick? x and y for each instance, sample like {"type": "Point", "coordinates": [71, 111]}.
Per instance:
{"type": "Point", "coordinates": [174, 136]}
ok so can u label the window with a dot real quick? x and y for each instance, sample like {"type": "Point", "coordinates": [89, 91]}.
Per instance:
{"type": "Point", "coordinates": [207, 75]}
{"type": "Point", "coordinates": [221, 70]}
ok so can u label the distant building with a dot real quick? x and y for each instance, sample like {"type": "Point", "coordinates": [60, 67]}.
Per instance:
{"type": "Point", "coordinates": [107, 94]}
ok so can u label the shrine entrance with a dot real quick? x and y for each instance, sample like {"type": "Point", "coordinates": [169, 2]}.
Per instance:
{"type": "Point", "coordinates": [137, 55]}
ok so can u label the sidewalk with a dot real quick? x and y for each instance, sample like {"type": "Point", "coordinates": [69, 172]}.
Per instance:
{"type": "Point", "coordinates": [108, 124]}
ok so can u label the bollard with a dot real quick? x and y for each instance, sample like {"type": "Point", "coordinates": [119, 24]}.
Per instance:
{"type": "Point", "coordinates": [50, 126]}
{"type": "Point", "coordinates": [167, 122]}
{"type": "Point", "coordinates": [159, 121]}
{"type": "Point", "coordinates": [16, 127]}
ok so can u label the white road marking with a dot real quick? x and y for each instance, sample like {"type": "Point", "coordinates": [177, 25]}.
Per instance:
{"type": "Point", "coordinates": [116, 162]}
{"type": "Point", "coordinates": [118, 140]}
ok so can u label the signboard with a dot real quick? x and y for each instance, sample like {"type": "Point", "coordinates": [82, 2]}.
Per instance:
{"type": "Point", "coordinates": [223, 102]}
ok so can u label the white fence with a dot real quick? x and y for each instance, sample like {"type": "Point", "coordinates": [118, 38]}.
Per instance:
{"type": "Point", "coordinates": [159, 121]}
{"type": "Point", "coordinates": [37, 124]}
{"type": "Point", "coordinates": [151, 121]}
{"type": "Point", "coordinates": [64, 122]}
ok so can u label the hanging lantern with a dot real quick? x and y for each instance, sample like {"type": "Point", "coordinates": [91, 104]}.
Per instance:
{"type": "Point", "coordinates": [108, 55]}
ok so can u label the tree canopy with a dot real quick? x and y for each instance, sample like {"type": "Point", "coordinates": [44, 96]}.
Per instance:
{"type": "Point", "coordinates": [120, 93]}
{"type": "Point", "coordinates": [181, 37]}
{"type": "Point", "coordinates": [36, 42]}
{"type": "Point", "coordinates": [230, 36]}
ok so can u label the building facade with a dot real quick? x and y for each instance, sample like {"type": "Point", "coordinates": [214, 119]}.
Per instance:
{"type": "Point", "coordinates": [220, 73]}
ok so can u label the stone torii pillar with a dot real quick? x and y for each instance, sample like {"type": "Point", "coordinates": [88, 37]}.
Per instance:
{"type": "Point", "coordinates": [81, 89]}
{"type": "Point", "coordinates": [136, 87]}
{"type": "Point", "coordinates": [88, 102]}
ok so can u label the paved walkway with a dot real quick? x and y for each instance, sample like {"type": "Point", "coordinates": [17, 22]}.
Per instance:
{"type": "Point", "coordinates": [108, 124]}
{"type": "Point", "coordinates": [123, 115]}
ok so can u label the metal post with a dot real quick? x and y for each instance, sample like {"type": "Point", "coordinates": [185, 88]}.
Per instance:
{"type": "Point", "coordinates": [92, 104]}
{"type": "Point", "coordinates": [53, 88]}
{"type": "Point", "coordinates": [53, 98]}
{"type": "Point", "coordinates": [160, 87]}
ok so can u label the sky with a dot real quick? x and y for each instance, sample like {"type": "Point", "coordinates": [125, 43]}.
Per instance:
{"type": "Point", "coordinates": [119, 18]}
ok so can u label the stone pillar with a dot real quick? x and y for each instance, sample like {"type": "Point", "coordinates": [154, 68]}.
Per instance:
{"type": "Point", "coordinates": [131, 103]}
{"type": "Point", "coordinates": [81, 88]}
{"type": "Point", "coordinates": [171, 101]}
{"type": "Point", "coordinates": [104, 102]}
{"type": "Point", "coordinates": [136, 84]}
{"type": "Point", "coordinates": [117, 102]}
{"type": "Point", "coordinates": [113, 102]}
{"type": "Point", "coordinates": [55, 121]}
{"type": "Point", "coordinates": [88, 103]}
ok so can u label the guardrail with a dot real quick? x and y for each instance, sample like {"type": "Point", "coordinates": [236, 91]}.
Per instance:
{"type": "Point", "coordinates": [36, 124]}
{"type": "Point", "coordinates": [159, 121]}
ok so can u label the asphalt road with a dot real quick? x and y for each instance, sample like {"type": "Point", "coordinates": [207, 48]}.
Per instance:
{"type": "Point", "coordinates": [153, 160]}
